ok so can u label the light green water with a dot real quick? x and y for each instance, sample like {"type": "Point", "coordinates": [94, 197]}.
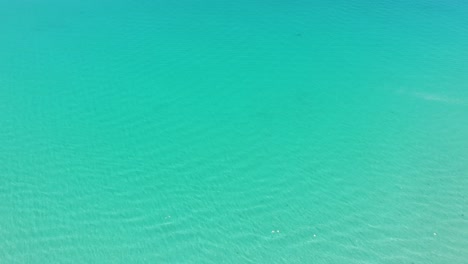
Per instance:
{"type": "Point", "coordinates": [233, 132]}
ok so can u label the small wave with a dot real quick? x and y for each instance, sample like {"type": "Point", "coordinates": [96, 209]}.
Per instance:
{"type": "Point", "coordinates": [438, 98]}
{"type": "Point", "coordinates": [434, 97]}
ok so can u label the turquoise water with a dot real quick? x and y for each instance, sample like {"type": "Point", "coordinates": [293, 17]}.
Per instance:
{"type": "Point", "coordinates": [158, 131]}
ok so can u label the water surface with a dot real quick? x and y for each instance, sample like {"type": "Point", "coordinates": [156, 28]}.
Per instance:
{"type": "Point", "coordinates": [233, 132]}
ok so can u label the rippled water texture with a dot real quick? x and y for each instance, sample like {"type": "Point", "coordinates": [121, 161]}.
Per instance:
{"type": "Point", "coordinates": [281, 131]}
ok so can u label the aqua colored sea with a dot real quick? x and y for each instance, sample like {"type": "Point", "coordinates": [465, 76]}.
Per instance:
{"type": "Point", "coordinates": [203, 131]}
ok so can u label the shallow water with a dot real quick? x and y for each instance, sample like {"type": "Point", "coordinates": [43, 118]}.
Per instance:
{"type": "Point", "coordinates": [242, 132]}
